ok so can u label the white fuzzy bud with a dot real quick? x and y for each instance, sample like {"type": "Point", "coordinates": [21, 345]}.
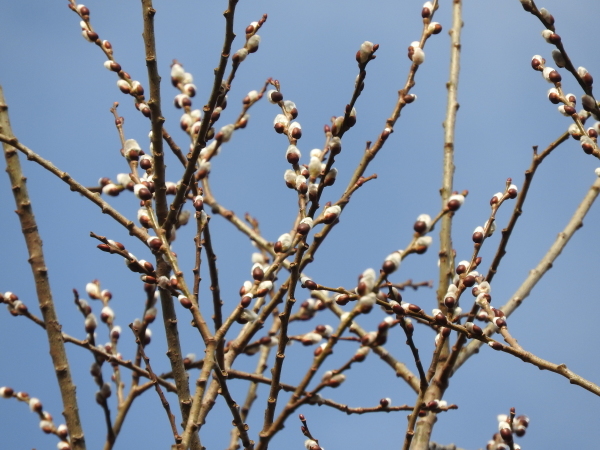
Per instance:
{"type": "Point", "coordinates": [366, 48]}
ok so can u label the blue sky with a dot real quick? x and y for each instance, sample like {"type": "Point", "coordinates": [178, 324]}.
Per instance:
{"type": "Point", "coordinates": [59, 97]}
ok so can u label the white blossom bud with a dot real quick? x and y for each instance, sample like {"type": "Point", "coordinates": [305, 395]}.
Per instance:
{"type": "Point", "coordinates": [294, 130]}
{"type": "Point", "coordinates": [226, 132]}
{"type": "Point", "coordinates": [546, 35]}
{"type": "Point", "coordinates": [240, 55]}
{"type": "Point", "coordinates": [424, 241]}
{"type": "Point", "coordinates": [314, 167]}
{"type": "Point", "coordinates": [546, 73]}
{"type": "Point", "coordinates": [290, 177]}
{"type": "Point", "coordinates": [177, 72]}
{"type": "Point", "coordinates": [366, 302]}
{"type": "Point", "coordinates": [418, 56]}
{"type": "Point", "coordinates": [93, 290]}
{"type": "Point", "coordinates": [285, 241]}
{"type": "Point", "coordinates": [366, 48]}
{"type": "Point", "coordinates": [252, 44]}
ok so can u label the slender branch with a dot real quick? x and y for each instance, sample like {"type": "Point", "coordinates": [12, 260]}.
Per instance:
{"type": "Point", "coordinates": [425, 426]}
{"type": "Point", "coordinates": [518, 209]}
{"type": "Point", "coordinates": [200, 142]}
{"type": "Point", "coordinates": [33, 241]}
{"type": "Point", "coordinates": [154, 380]}
{"type": "Point", "coordinates": [536, 274]}
{"type": "Point", "coordinates": [238, 422]}
{"type": "Point", "coordinates": [140, 233]}
{"type": "Point", "coordinates": [160, 193]}
{"type": "Point", "coordinates": [446, 257]}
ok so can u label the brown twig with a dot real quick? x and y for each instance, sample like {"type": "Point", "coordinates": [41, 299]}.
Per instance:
{"type": "Point", "coordinates": [544, 265]}
{"type": "Point", "coordinates": [153, 378]}
{"type": "Point", "coordinates": [40, 274]}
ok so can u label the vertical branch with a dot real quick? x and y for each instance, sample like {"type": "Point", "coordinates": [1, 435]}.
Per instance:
{"type": "Point", "coordinates": [155, 111]}
{"type": "Point", "coordinates": [42, 283]}
{"type": "Point", "coordinates": [163, 269]}
{"type": "Point", "coordinates": [446, 257]}
{"type": "Point", "coordinates": [435, 391]}
{"type": "Point", "coordinates": [174, 353]}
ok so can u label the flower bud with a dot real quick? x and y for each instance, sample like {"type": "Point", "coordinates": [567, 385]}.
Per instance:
{"type": "Point", "coordinates": [551, 75]}
{"type": "Point", "coordinates": [392, 262]}
{"type": "Point", "coordinates": [252, 43]}
{"type": "Point", "coordinates": [537, 62]}
{"type": "Point", "coordinates": [294, 131]}
{"type": "Point", "coordinates": [304, 226]}
{"type": "Point", "coordinates": [331, 214]}
{"type": "Point", "coordinates": [455, 201]}
{"type": "Point", "coordinates": [293, 155]}
{"type": "Point", "coordinates": [418, 56]}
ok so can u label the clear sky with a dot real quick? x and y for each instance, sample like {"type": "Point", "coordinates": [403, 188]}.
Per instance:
{"type": "Point", "coordinates": [59, 97]}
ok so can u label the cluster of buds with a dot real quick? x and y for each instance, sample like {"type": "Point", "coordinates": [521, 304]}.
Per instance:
{"type": "Point", "coordinates": [309, 308]}
{"type": "Point", "coordinates": [95, 293]}
{"type": "Point", "coordinates": [251, 290]}
{"type": "Point", "coordinates": [304, 178]}
{"type": "Point", "coordinates": [340, 124]}
{"type": "Point", "coordinates": [141, 266]}
{"type": "Point", "coordinates": [15, 306]}
{"type": "Point", "coordinates": [466, 273]}
{"type": "Point", "coordinates": [379, 337]}
{"type": "Point", "coordinates": [333, 379]}
{"type": "Point", "coordinates": [588, 139]}
{"type": "Point", "coordinates": [483, 299]}
{"type": "Point", "coordinates": [508, 427]}
{"type": "Point", "coordinates": [46, 421]}
{"type": "Point", "coordinates": [284, 122]}
{"type": "Point", "coordinates": [125, 83]}
{"type": "Point", "coordinates": [190, 121]}
{"type": "Point", "coordinates": [252, 41]}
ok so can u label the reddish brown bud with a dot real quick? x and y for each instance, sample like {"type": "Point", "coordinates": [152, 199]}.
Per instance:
{"type": "Point", "coordinates": [310, 284]}
{"type": "Point", "coordinates": [496, 345]}
{"type": "Point", "coordinates": [414, 308]}
{"type": "Point", "coordinates": [185, 302]}
{"type": "Point", "coordinates": [342, 299]}
{"type": "Point", "coordinates": [554, 76]}
{"type": "Point", "coordinates": [92, 35]}
{"type": "Point", "coordinates": [440, 319]}
{"type": "Point", "coordinates": [257, 273]}
{"type": "Point", "coordinates": [245, 301]}
{"type": "Point", "coordinates": [303, 228]}
{"type": "Point", "coordinates": [554, 39]}
{"type": "Point", "coordinates": [469, 280]}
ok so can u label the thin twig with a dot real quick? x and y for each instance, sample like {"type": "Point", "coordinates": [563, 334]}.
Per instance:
{"type": "Point", "coordinates": [536, 274]}
{"type": "Point", "coordinates": [163, 399]}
